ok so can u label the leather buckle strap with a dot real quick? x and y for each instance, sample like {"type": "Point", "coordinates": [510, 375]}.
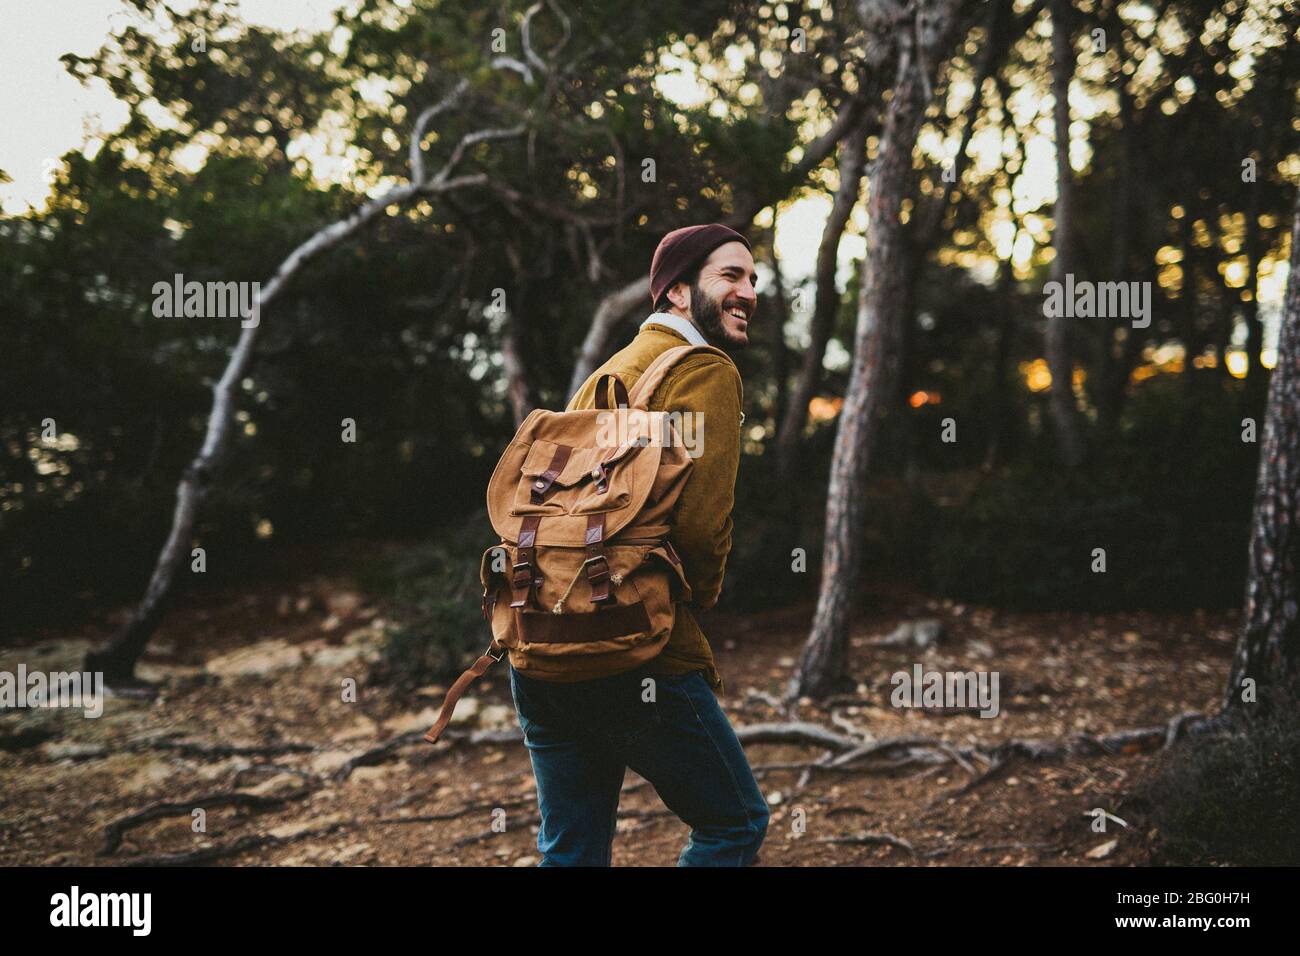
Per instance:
{"type": "Point", "coordinates": [597, 569]}
{"type": "Point", "coordinates": [524, 579]}
{"type": "Point", "coordinates": [543, 484]}
{"type": "Point", "coordinates": [596, 564]}
{"type": "Point", "coordinates": [457, 690]}
{"type": "Point", "coordinates": [605, 624]}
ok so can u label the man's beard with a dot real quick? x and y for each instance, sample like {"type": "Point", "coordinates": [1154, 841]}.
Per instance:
{"type": "Point", "coordinates": [706, 313]}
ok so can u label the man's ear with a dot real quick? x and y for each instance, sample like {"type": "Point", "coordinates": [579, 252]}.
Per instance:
{"type": "Point", "coordinates": [680, 296]}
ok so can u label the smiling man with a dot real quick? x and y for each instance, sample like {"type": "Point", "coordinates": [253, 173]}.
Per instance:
{"type": "Point", "coordinates": [583, 736]}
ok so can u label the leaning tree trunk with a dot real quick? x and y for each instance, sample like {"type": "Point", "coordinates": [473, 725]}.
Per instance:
{"type": "Point", "coordinates": [117, 660]}
{"type": "Point", "coordinates": [1268, 653]}
{"type": "Point", "coordinates": [853, 160]}
{"type": "Point", "coordinates": [823, 665]}
{"type": "Point", "coordinates": [1059, 362]}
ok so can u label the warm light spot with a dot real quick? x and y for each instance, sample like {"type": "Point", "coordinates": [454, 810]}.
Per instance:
{"type": "Point", "coordinates": [264, 529]}
{"type": "Point", "coordinates": [1238, 363]}
{"type": "Point", "coordinates": [824, 409]}
{"type": "Point", "coordinates": [1038, 378]}
{"type": "Point", "coordinates": [918, 399]}
{"type": "Point", "coordinates": [1234, 274]}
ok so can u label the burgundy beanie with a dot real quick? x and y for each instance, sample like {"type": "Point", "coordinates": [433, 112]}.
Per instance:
{"type": "Point", "coordinates": [683, 248]}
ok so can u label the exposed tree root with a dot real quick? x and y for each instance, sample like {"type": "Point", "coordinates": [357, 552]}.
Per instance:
{"type": "Point", "coordinates": [115, 831]}
{"type": "Point", "coordinates": [860, 839]}
{"type": "Point", "coordinates": [207, 854]}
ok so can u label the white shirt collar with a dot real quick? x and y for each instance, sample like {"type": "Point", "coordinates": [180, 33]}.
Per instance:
{"type": "Point", "coordinates": [679, 325]}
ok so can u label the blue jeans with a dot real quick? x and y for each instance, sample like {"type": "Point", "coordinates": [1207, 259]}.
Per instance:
{"type": "Point", "coordinates": [583, 736]}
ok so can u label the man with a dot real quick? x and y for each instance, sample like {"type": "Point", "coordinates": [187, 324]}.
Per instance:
{"type": "Point", "coordinates": [583, 736]}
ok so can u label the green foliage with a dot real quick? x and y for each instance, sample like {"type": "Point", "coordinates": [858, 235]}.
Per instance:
{"type": "Point", "coordinates": [435, 594]}
{"type": "Point", "coordinates": [1168, 499]}
{"type": "Point", "coordinates": [1229, 799]}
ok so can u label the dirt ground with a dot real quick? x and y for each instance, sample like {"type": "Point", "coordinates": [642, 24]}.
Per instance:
{"type": "Point", "coordinates": [251, 728]}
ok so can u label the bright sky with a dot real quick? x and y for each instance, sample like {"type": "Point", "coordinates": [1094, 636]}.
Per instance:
{"type": "Point", "coordinates": [44, 112]}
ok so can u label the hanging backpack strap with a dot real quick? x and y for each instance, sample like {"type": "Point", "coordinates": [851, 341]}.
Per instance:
{"type": "Point", "coordinates": [476, 670]}
{"type": "Point", "coordinates": [602, 391]}
{"type": "Point", "coordinates": [651, 378]}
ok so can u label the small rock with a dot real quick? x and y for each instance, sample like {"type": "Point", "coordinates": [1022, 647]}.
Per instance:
{"type": "Point", "coordinates": [333, 658]}
{"type": "Point", "coordinates": [276, 786]}
{"type": "Point", "coordinates": [73, 751]}
{"type": "Point", "coordinates": [257, 660]}
{"type": "Point", "coordinates": [330, 760]}
{"type": "Point", "coordinates": [921, 633]}
{"type": "Point", "coordinates": [350, 853]}
{"type": "Point", "coordinates": [286, 831]}
{"type": "Point", "coordinates": [379, 772]}
{"type": "Point", "coordinates": [148, 775]}
{"type": "Point", "coordinates": [363, 726]}
{"type": "Point", "coordinates": [423, 720]}
{"type": "Point", "coordinates": [1102, 851]}
{"type": "Point", "coordinates": [343, 603]}
{"type": "Point", "coordinates": [525, 861]}
{"type": "Point", "coordinates": [497, 717]}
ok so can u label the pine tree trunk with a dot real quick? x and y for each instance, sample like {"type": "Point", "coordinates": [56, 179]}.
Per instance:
{"type": "Point", "coordinates": [1057, 344]}
{"type": "Point", "coordinates": [823, 665]}
{"type": "Point", "coordinates": [1269, 650]}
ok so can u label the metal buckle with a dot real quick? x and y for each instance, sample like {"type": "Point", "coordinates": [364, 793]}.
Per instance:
{"type": "Point", "coordinates": [488, 653]}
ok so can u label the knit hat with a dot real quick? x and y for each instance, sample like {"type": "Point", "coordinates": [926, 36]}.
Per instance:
{"type": "Point", "coordinates": [683, 248]}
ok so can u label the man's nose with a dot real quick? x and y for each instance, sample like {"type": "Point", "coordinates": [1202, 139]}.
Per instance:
{"type": "Point", "coordinates": [745, 291]}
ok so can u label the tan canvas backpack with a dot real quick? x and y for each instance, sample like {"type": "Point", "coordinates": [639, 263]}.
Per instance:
{"type": "Point", "coordinates": [585, 580]}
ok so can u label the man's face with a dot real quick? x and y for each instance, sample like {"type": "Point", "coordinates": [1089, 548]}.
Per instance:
{"type": "Point", "coordinates": [723, 298]}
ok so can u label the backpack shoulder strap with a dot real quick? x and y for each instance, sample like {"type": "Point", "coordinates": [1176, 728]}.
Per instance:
{"type": "Point", "coordinates": [654, 374]}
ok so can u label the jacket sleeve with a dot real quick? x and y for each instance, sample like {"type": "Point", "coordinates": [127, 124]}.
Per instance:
{"type": "Point", "coordinates": [702, 527]}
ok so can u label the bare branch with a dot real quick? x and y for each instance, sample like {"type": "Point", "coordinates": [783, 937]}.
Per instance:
{"type": "Point", "coordinates": [422, 126]}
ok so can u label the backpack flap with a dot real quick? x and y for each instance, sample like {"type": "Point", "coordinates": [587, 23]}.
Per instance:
{"type": "Point", "coordinates": [563, 467]}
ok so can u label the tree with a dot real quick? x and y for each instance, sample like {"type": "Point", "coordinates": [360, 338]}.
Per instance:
{"type": "Point", "coordinates": [1057, 343]}
{"type": "Point", "coordinates": [1268, 653]}
{"type": "Point", "coordinates": [923, 30]}
{"type": "Point", "coordinates": [117, 660]}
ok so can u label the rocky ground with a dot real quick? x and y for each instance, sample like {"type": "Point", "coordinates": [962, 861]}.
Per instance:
{"type": "Point", "coordinates": [252, 752]}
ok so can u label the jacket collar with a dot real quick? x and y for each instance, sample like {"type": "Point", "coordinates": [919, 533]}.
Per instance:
{"type": "Point", "coordinates": [679, 325]}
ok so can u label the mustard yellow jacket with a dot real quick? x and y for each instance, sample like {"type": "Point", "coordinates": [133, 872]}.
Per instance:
{"type": "Point", "coordinates": [702, 530]}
